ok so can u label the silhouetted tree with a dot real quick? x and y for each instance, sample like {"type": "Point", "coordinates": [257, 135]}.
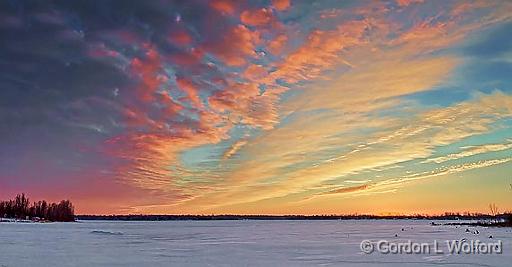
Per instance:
{"type": "Point", "coordinates": [494, 210]}
{"type": "Point", "coordinates": [20, 208]}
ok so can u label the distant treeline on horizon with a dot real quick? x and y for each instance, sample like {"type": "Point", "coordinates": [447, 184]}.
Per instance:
{"type": "Point", "coordinates": [132, 217]}
{"type": "Point", "coordinates": [20, 208]}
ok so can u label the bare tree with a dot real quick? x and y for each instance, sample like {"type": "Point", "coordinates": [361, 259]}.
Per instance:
{"type": "Point", "coordinates": [494, 210]}
{"type": "Point", "coordinates": [20, 208]}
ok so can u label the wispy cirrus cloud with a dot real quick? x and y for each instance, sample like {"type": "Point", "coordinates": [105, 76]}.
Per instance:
{"type": "Point", "coordinates": [413, 138]}
{"type": "Point", "coordinates": [471, 151]}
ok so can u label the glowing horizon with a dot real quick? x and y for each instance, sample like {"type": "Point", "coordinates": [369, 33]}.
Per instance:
{"type": "Point", "coordinates": [258, 107]}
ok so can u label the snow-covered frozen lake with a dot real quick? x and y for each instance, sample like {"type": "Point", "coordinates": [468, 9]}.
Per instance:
{"type": "Point", "coordinates": [238, 243]}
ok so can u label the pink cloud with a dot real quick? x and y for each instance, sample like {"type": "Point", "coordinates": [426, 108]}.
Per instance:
{"type": "Point", "coordinates": [190, 57]}
{"type": "Point", "coordinates": [255, 72]}
{"type": "Point", "coordinates": [281, 5]}
{"type": "Point", "coordinates": [245, 104]}
{"type": "Point", "coordinates": [408, 2]}
{"type": "Point", "coordinates": [147, 69]}
{"type": "Point", "coordinates": [224, 6]}
{"type": "Point", "coordinates": [237, 43]}
{"type": "Point", "coordinates": [191, 90]}
{"type": "Point", "coordinates": [257, 17]}
{"type": "Point", "coordinates": [276, 45]}
{"type": "Point", "coordinates": [319, 51]}
{"type": "Point", "coordinates": [180, 37]}
{"type": "Point", "coordinates": [101, 51]}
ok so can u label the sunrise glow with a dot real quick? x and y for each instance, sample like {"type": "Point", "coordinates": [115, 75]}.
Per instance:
{"type": "Point", "coordinates": [258, 107]}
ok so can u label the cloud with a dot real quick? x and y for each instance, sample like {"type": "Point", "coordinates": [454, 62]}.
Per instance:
{"type": "Point", "coordinates": [234, 148]}
{"type": "Point", "coordinates": [408, 139]}
{"type": "Point", "coordinates": [245, 105]}
{"type": "Point", "coordinates": [224, 6]}
{"type": "Point", "coordinates": [281, 5]}
{"type": "Point", "coordinates": [348, 189]}
{"type": "Point", "coordinates": [408, 2]}
{"type": "Point", "coordinates": [147, 69]}
{"type": "Point", "coordinates": [191, 90]}
{"type": "Point", "coordinates": [437, 32]}
{"type": "Point", "coordinates": [255, 72]}
{"type": "Point", "coordinates": [320, 51]}
{"type": "Point", "coordinates": [276, 45]}
{"type": "Point", "coordinates": [181, 38]}
{"type": "Point", "coordinates": [298, 155]}
{"type": "Point", "coordinates": [381, 190]}
{"type": "Point", "coordinates": [471, 151]}
{"type": "Point", "coordinates": [396, 182]}
{"type": "Point", "coordinates": [235, 45]}
{"type": "Point", "coordinates": [318, 95]}
{"type": "Point", "coordinates": [258, 17]}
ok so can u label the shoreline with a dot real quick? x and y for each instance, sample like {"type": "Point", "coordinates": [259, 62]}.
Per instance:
{"type": "Point", "coordinates": [226, 217]}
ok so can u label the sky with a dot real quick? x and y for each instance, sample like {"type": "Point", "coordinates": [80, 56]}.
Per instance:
{"type": "Point", "coordinates": [257, 107]}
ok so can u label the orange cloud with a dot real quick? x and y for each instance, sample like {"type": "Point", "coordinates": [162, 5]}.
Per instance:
{"type": "Point", "coordinates": [434, 33]}
{"type": "Point", "coordinates": [190, 89]}
{"type": "Point", "coordinates": [255, 72]}
{"type": "Point", "coordinates": [320, 51]}
{"type": "Point", "coordinates": [258, 17]}
{"type": "Point", "coordinates": [157, 131]}
{"type": "Point", "coordinates": [276, 45]}
{"type": "Point", "coordinates": [348, 189]}
{"type": "Point", "coordinates": [224, 6]}
{"type": "Point", "coordinates": [372, 84]}
{"type": "Point", "coordinates": [281, 5]}
{"type": "Point", "coordinates": [468, 6]}
{"type": "Point", "coordinates": [408, 2]}
{"type": "Point", "coordinates": [427, 30]}
{"type": "Point", "coordinates": [233, 149]}
{"type": "Point", "coordinates": [378, 74]}
{"type": "Point", "coordinates": [246, 105]}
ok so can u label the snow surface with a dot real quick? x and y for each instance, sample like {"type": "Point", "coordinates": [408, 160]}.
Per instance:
{"type": "Point", "coordinates": [235, 243]}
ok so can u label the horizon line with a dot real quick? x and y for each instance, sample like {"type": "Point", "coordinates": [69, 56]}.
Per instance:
{"type": "Point", "coordinates": [466, 214]}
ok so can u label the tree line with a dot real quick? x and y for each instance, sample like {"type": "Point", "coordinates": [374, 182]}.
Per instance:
{"type": "Point", "coordinates": [21, 208]}
{"type": "Point", "coordinates": [191, 217]}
